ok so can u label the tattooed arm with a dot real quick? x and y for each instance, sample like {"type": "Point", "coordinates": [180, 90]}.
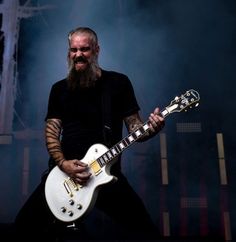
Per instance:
{"type": "Point", "coordinates": [74, 168]}
{"type": "Point", "coordinates": [156, 123]}
{"type": "Point", "coordinates": [52, 134]}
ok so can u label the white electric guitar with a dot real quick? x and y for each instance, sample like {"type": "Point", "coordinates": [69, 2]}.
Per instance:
{"type": "Point", "coordinates": [69, 201]}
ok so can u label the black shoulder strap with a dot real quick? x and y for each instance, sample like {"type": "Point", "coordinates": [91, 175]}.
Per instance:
{"type": "Point", "coordinates": [106, 109]}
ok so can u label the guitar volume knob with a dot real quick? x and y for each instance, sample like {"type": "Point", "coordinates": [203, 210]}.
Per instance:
{"type": "Point", "coordinates": [71, 202]}
{"type": "Point", "coordinates": [70, 213]}
{"type": "Point", "coordinates": [63, 209]}
{"type": "Point", "coordinates": [79, 206]}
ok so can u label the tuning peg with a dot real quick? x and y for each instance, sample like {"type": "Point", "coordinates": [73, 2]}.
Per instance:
{"type": "Point", "coordinates": [176, 98]}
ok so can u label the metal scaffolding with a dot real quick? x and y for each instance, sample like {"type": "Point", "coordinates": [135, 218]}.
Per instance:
{"type": "Point", "coordinates": [11, 12]}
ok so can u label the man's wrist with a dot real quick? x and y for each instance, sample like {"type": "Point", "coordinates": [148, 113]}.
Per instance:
{"type": "Point", "coordinates": [60, 163]}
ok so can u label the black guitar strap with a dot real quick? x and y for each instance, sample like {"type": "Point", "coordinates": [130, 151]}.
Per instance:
{"type": "Point", "coordinates": [106, 109]}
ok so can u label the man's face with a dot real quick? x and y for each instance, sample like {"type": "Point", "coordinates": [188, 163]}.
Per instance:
{"type": "Point", "coordinates": [81, 52]}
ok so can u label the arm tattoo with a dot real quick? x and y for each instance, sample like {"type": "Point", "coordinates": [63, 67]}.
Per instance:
{"type": "Point", "coordinates": [52, 135]}
{"type": "Point", "coordinates": [134, 122]}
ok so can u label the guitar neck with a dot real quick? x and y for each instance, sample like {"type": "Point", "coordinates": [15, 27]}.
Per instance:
{"type": "Point", "coordinates": [131, 138]}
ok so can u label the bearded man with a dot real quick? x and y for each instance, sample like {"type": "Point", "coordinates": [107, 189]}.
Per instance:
{"type": "Point", "coordinates": [89, 107]}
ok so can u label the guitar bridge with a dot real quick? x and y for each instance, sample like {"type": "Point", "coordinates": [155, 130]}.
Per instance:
{"type": "Point", "coordinates": [70, 186]}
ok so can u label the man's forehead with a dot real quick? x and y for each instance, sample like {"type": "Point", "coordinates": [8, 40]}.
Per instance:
{"type": "Point", "coordinates": [80, 39]}
{"type": "Point", "coordinates": [81, 36]}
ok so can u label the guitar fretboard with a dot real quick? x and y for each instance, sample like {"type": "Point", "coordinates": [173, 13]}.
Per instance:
{"type": "Point", "coordinates": [177, 105]}
{"type": "Point", "coordinates": [118, 148]}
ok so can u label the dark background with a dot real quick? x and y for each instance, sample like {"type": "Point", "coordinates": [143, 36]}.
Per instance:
{"type": "Point", "coordinates": [166, 47]}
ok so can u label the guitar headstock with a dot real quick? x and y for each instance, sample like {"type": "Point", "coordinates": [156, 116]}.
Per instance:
{"type": "Point", "coordinates": [184, 102]}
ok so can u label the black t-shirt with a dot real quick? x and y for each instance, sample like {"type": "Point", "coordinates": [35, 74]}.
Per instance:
{"type": "Point", "coordinates": [81, 111]}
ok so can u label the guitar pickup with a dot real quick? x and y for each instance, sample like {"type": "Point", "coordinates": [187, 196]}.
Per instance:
{"type": "Point", "coordinates": [95, 167]}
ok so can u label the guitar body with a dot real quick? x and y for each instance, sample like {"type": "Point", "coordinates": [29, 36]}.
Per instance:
{"type": "Point", "coordinates": [69, 201]}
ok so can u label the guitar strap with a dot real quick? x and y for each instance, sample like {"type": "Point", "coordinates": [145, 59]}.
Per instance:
{"type": "Point", "coordinates": [106, 109]}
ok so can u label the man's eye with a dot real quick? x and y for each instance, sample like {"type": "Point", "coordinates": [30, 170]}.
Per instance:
{"type": "Point", "coordinates": [73, 50]}
{"type": "Point", "coordinates": [84, 49]}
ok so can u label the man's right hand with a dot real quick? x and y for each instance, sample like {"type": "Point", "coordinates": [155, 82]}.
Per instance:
{"type": "Point", "coordinates": [77, 170]}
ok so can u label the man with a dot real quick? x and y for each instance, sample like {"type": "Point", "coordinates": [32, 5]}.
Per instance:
{"type": "Point", "coordinates": [89, 106]}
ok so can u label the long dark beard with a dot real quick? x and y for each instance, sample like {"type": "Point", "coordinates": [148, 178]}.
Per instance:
{"type": "Point", "coordinates": [84, 79]}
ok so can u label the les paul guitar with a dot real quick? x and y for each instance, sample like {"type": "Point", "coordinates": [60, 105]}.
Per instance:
{"type": "Point", "coordinates": [69, 201]}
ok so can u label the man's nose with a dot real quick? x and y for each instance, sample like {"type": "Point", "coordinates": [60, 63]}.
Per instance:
{"type": "Point", "coordinates": [78, 53]}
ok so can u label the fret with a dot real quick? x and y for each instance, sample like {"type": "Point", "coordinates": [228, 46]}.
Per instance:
{"type": "Point", "coordinates": [131, 138]}
{"type": "Point", "coordinates": [105, 157]}
{"type": "Point", "coordinates": [124, 143]}
{"type": "Point", "coordinates": [145, 127]}
{"type": "Point", "coordinates": [134, 136]}
{"type": "Point", "coordinates": [141, 129]}
{"type": "Point", "coordinates": [127, 141]}
{"type": "Point", "coordinates": [110, 156]}
{"type": "Point", "coordinates": [100, 162]}
{"type": "Point", "coordinates": [121, 145]}
{"type": "Point", "coordinates": [113, 151]}
{"type": "Point", "coordinates": [164, 112]}
{"type": "Point", "coordinates": [138, 133]}
{"type": "Point", "coordinates": [118, 148]}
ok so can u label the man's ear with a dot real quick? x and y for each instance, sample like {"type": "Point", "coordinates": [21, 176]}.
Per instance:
{"type": "Point", "coordinates": [97, 49]}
